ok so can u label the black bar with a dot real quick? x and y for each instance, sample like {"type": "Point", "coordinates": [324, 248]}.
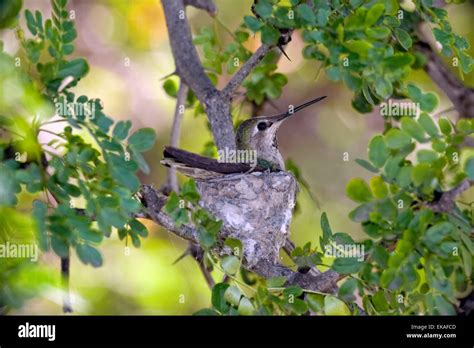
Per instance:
{"type": "Point", "coordinates": [140, 330]}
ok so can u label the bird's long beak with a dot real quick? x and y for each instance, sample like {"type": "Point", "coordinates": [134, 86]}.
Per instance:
{"type": "Point", "coordinates": [294, 110]}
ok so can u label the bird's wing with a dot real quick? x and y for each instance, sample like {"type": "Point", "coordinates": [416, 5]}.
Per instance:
{"type": "Point", "coordinates": [198, 166]}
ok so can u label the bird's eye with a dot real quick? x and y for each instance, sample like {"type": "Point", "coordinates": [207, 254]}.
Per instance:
{"type": "Point", "coordinates": [262, 126]}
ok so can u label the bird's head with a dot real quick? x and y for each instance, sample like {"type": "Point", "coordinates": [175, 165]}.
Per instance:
{"type": "Point", "coordinates": [259, 133]}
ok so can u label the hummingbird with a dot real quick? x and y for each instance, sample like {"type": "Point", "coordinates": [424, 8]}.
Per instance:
{"type": "Point", "coordinates": [257, 134]}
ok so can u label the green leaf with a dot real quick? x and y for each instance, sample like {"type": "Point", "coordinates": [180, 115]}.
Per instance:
{"type": "Point", "coordinates": [398, 61]}
{"type": "Point", "coordinates": [327, 232]}
{"type": "Point", "coordinates": [246, 307]}
{"type": "Point", "coordinates": [172, 203]}
{"type": "Point", "coordinates": [469, 168]}
{"type": "Point", "coordinates": [346, 291]}
{"type": "Point", "coordinates": [140, 160]}
{"type": "Point", "coordinates": [378, 151]}
{"type": "Point", "coordinates": [378, 187]}
{"type": "Point", "coordinates": [89, 255]}
{"type": "Point", "coordinates": [378, 33]}
{"type": "Point", "coordinates": [189, 191]}
{"type": "Point", "coordinates": [39, 213]}
{"type": "Point", "coordinates": [391, 7]}
{"type": "Point", "coordinates": [374, 14]}
{"type": "Point", "coordinates": [413, 128]}
{"type": "Point", "coordinates": [143, 139]}
{"type": "Point", "coordinates": [323, 17]}
{"type": "Point", "coordinates": [334, 306]}
{"type": "Point", "coordinates": [76, 68]}
{"type": "Point", "coordinates": [293, 290]}
{"type": "Point", "coordinates": [443, 306]}
{"type": "Point", "coordinates": [59, 245]}
{"type": "Point", "coordinates": [306, 13]}
{"type": "Point", "coordinates": [298, 306]}
{"type": "Point", "coordinates": [170, 87]}
{"type": "Point", "coordinates": [315, 302]}
{"type": "Point", "coordinates": [428, 125]}
{"type": "Point", "coordinates": [403, 38]}
{"type": "Point", "coordinates": [235, 245]}
{"type": "Point", "coordinates": [397, 139]}
{"type": "Point", "coordinates": [421, 173]}
{"type": "Point", "coordinates": [467, 260]}
{"type": "Point", "coordinates": [358, 190]}
{"type": "Point", "coordinates": [270, 35]}
{"type": "Point", "coordinates": [438, 145]}
{"type": "Point", "coordinates": [444, 126]}
{"type": "Point", "coordinates": [428, 102]}
{"type": "Point", "coordinates": [264, 8]}
{"type": "Point", "coordinates": [361, 213]}
{"type": "Point", "coordinates": [276, 282]}
{"type": "Point", "coordinates": [383, 88]}
{"type": "Point", "coordinates": [253, 23]}
{"type": "Point", "coordinates": [9, 10]}
{"type": "Point", "coordinates": [121, 129]}
{"type": "Point", "coordinates": [365, 164]}
{"type": "Point", "coordinates": [125, 177]}
{"type": "Point", "coordinates": [217, 299]}
{"type": "Point", "coordinates": [233, 295]}
{"type": "Point", "coordinates": [206, 312]}
{"type": "Point", "coordinates": [347, 265]}
{"type": "Point", "coordinates": [31, 22]}
{"type": "Point", "coordinates": [380, 302]}
{"type": "Point", "coordinates": [230, 264]}
{"type": "Point", "coordinates": [361, 47]}
{"type": "Point", "coordinates": [404, 177]}
{"type": "Point", "coordinates": [436, 233]}
{"type": "Point", "coordinates": [426, 156]}
{"type": "Point", "coordinates": [139, 228]}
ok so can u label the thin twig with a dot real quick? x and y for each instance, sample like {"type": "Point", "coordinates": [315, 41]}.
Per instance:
{"type": "Point", "coordinates": [447, 201]}
{"type": "Point", "coordinates": [244, 71]}
{"type": "Point", "coordinates": [172, 180]}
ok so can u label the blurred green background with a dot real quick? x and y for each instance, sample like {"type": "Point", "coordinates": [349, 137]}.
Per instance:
{"type": "Point", "coordinates": [126, 44]}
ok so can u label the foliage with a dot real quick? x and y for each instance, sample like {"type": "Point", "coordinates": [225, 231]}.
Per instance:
{"type": "Point", "coordinates": [184, 208]}
{"type": "Point", "coordinates": [84, 180]}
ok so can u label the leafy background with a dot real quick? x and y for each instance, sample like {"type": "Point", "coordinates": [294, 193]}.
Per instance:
{"type": "Point", "coordinates": [112, 34]}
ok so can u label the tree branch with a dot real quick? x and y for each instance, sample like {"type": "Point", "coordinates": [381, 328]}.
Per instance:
{"type": "Point", "coordinates": [447, 201]}
{"type": "Point", "coordinates": [244, 71]}
{"type": "Point", "coordinates": [188, 65]}
{"type": "Point", "coordinates": [206, 5]}
{"type": "Point", "coordinates": [189, 68]}
{"type": "Point", "coordinates": [172, 180]}
{"type": "Point", "coordinates": [65, 269]}
{"type": "Point", "coordinates": [460, 95]}
{"type": "Point", "coordinates": [154, 200]}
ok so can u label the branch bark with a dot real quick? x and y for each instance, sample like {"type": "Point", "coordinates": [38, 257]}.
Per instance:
{"type": "Point", "coordinates": [460, 95]}
{"type": "Point", "coordinates": [172, 180]}
{"type": "Point", "coordinates": [244, 71]}
{"type": "Point", "coordinates": [154, 200]}
{"type": "Point", "coordinates": [190, 70]}
{"type": "Point", "coordinates": [447, 201]}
